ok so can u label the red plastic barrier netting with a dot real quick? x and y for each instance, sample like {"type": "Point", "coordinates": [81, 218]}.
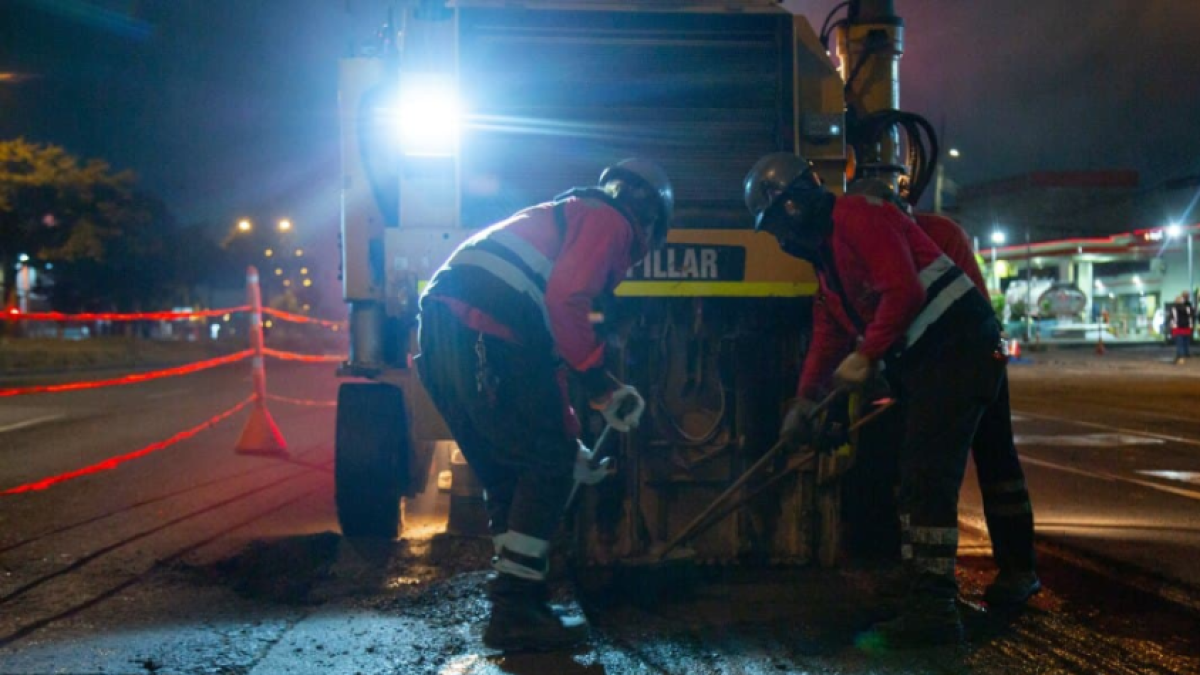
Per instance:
{"type": "Point", "coordinates": [297, 318]}
{"type": "Point", "coordinates": [308, 358]}
{"type": "Point", "coordinates": [15, 315]}
{"type": "Point", "coordinates": [114, 462]}
{"type": "Point", "coordinates": [301, 401]}
{"type": "Point", "coordinates": [130, 379]}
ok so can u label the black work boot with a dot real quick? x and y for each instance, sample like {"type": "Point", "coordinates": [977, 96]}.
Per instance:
{"type": "Point", "coordinates": [925, 621]}
{"type": "Point", "coordinates": [522, 619]}
{"type": "Point", "coordinates": [1012, 587]}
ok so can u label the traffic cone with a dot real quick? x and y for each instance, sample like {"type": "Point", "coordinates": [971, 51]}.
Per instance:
{"type": "Point", "coordinates": [261, 436]}
{"type": "Point", "coordinates": [1100, 345]}
{"type": "Point", "coordinates": [1014, 349]}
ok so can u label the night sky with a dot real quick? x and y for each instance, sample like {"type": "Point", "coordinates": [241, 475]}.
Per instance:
{"type": "Point", "coordinates": [226, 108]}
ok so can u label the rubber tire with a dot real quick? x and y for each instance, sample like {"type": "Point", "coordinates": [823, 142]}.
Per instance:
{"type": "Point", "coordinates": [371, 459]}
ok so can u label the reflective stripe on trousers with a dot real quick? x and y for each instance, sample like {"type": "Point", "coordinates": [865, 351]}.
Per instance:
{"type": "Point", "coordinates": [931, 550]}
{"type": "Point", "coordinates": [1006, 499]}
{"type": "Point", "coordinates": [521, 555]}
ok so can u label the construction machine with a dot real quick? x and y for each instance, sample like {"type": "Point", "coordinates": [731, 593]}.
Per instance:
{"type": "Point", "coordinates": [466, 111]}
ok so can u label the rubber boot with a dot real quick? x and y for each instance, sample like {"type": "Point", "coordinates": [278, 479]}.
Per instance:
{"type": "Point", "coordinates": [522, 619]}
{"type": "Point", "coordinates": [1012, 587]}
{"type": "Point", "coordinates": [924, 621]}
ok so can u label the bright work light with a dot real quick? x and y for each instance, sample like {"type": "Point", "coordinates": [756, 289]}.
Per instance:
{"type": "Point", "coordinates": [429, 115]}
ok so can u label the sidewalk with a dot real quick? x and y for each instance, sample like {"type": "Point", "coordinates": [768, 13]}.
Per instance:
{"type": "Point", "coordinates": [1157, 359]}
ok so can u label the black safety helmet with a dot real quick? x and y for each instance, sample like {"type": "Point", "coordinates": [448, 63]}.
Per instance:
{"type": "Point", "coordinates": [879, 189]}
{"type": "Point", "coordinates": [648, 176]}
{"type": "Point", "coordinates": [774, 176]}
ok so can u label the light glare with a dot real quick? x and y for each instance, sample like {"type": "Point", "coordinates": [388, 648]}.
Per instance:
{"type": "Point", "coordinates": [429, 116]}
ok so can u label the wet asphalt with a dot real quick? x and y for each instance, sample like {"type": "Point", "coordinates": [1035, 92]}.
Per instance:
{"type": "Point", "coordinates": [197, 560]}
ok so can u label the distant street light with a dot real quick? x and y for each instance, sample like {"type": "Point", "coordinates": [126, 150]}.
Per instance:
{"type": "Point", "coordinates": [244, 225]}
{"type": "Point", "coordinates": [285, 225]}
{"type": "Point", "coordinates": [268, 253]}
{"type": "Point", "coordinates": [299, 252]}
{"type": "Point", "coordinates": [997, 240]}
{"type": "Point", "coordinates": [954, 153]}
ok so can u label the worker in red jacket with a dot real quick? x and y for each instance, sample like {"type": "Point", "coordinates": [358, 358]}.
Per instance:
{"type": "Point", "coordinates": [889, 295]}
{"type": "Point", "coordinates": [502, 323]}
{"type": "Point", "coordinates": [1006, 504]}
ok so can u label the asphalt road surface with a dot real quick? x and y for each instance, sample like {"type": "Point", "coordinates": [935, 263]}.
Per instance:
{"type": "Point", "coordinates": [193, 559]}
{"type": "Point", "coordinates": [1111, 450]}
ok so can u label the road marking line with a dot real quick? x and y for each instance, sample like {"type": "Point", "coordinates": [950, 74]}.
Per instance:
{"type": "Point", "coordinates": [1086, 440]}
{"type": "Point", "coordinates": [169, 393]}
{"type": "Point", "coordinates": [1181, 476]}
{"type": "Point", "coordinates": [30, 423]}
{"type": "Point", "coordinates": [1135, 432]}
{"type": "Point", "coordinates": [1102, 475]}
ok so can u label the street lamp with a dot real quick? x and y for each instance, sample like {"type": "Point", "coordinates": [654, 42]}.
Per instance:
{"type": "Point", "coordinates": [940, 180]}
{"type": "Point", "coordinates": [997, 240]}
{"type": "Point", "coordinates": [285, 225]}
{"type": "Point", "coordinates": [244, 225]}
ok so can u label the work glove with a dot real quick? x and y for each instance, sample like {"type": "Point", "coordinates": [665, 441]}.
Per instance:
{"type": "Point", "coordinates": [587, 473]}
{"type": "Point", "coordinates": [623, 409]}
{"type": "Point", "coordinates": [853, 372]}
{"type": "Point", "coordinates": [620, 404]}
{"type": "Point", "coordinates": [798, 427]}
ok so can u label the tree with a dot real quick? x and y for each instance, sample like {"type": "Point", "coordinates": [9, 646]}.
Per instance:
{"type": "Point", "coordinates": [53, 206]}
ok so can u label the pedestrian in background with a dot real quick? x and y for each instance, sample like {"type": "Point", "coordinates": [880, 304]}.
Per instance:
{"type": "Point", "coordinates": [1182, 320]}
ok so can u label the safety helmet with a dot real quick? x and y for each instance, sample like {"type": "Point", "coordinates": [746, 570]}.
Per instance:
{"type": "Point", "coordinates": [878, 189]}
{"type": "Point", "coordinates": [648, 176]}
{"type": "Point", "coordinates": [772, 177]}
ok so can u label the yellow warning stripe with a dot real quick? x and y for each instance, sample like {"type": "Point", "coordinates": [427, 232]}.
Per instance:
{"type": "Point", "coordinates": [709, 289]}
{"type": "Point", "coordinates": [721, 289]}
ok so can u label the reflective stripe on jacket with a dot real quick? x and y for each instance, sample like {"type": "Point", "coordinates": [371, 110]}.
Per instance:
{"type": "Point", "coordinates": [900, 286]}
{"type": "Point", "coordinates": [538, 276]}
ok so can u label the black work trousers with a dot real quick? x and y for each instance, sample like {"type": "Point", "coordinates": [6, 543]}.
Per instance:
{"type": "Point", "coordinates": [1006, 504]}
{"type": "Point", "coordinates": [504, 405]}
{"type": "Point", "coordinates": [946, 391]}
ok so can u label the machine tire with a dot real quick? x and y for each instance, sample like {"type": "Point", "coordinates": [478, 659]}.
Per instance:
{"type": "Point", "coordinates": [371, 459]}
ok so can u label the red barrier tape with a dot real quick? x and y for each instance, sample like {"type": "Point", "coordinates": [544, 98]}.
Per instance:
{"type": "Point", "coordinates": [288, 316]}
{"type": "Point", "coordinates": [298, 401]}
{"type": "Point", "coordinates": [307, 358]}
{"type": "Point", "coordinates": [114, 462]}
{"type": "Point", "coordinates": [130, 379]}
{"type": "Point", "coordinates": [14, 315]}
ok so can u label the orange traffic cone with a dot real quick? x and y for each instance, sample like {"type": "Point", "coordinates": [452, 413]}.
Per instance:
{"type": "Point", "coordinates": [1014, 349]}
{"type": "Point", "coordinates": [1100, 345]}
{"type": "Point", "coordinates": [261, 436]}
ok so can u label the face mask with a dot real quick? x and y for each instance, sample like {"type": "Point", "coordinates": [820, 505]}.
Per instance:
{"type": "Point", "coordinates": [799, 229]}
